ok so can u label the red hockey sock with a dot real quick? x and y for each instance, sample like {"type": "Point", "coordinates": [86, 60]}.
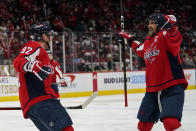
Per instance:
{"type": "Point", "coordinates": [171, 123]}
{"type": "Point", "coordinates": [145, 126]}
{"type": "Point", "coordinates": [68, 128]}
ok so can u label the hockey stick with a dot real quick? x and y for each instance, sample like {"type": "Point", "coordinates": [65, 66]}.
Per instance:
{"type": "Point", "coordinates": [82, 106]}
{"type": "Point", "coordinates": [123, 48]}
{"type": "Point", "coordinates": [86, 103]}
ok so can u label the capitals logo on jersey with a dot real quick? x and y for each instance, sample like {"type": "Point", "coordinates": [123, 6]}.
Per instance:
{"type": "Point", "coordinates": [151, 52]}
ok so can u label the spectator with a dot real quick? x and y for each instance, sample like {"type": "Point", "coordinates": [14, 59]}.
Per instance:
{"type": "Point", "coordinates": [83, 67]}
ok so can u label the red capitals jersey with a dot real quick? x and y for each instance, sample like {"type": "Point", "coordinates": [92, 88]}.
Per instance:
{"type": "Point", "coordinates": [57, 73]}
{"type": "Point", "coordinates": [32, 90]}
{"type": "Point", "coordinates": [162, 58]}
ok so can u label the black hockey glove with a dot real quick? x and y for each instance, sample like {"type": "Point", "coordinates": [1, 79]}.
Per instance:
{"type": "Point", "coordinates": [130, 38]}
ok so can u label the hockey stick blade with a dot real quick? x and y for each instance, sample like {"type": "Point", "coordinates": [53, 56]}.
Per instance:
{"type": "Point", "coordinates": [86, 103]}
{"type": "Point", "coordinates": [10, 108]}
{"type": "Point", "coordinates": [74, 107]}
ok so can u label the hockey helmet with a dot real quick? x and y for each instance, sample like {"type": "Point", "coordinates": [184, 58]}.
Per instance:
{"type": "Point", "coordinates": [160, 21]}
{"type": "Point", "coordinates": [156, 17]}
{"type": "Point", "coordinates": [36, 30]}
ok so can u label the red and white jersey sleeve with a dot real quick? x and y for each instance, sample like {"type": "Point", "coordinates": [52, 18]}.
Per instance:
{"type": "Point", "coordinates": [138, 47]}
{"type": "Point", "coordinates": [57, 73]}
{"type": "Point", "coordinates": [173, 40]}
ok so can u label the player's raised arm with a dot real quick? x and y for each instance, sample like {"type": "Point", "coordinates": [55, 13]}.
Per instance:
{"type": "Point", "coordinates": [172, 35]}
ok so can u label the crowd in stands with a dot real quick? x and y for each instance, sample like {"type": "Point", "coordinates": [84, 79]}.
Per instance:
{"type": "Point", "coordinates": [84, 22]}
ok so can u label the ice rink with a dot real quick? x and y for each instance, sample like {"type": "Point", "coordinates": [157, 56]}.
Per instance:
{"type": "Point", "coordinates": [105, 113]}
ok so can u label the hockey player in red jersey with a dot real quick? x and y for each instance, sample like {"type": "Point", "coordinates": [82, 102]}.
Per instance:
{"type": "Point", "coordinates": [165, 80]}
{"type": "Point", "coordinates": [37, 97]}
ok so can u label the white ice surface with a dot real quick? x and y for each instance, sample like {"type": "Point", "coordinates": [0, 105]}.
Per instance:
{"type": "Point", "coordinates": [105, 113]}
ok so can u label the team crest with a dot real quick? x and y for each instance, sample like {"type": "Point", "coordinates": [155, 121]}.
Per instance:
{"type": "Point", "coordinates": [150, 53]}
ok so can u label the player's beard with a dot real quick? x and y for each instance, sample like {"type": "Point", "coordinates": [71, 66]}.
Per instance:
{"type": "Point", "coordinates": [151, 32]}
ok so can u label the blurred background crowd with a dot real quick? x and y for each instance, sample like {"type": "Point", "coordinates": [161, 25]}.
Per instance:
{"type": "Point", "coordinates": [88, 29]}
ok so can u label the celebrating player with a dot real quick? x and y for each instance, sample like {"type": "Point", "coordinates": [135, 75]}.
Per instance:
{"type": "Point", "coordinates": [165, 80]}
{"type": "Point", "coordinates": [37, 97]}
